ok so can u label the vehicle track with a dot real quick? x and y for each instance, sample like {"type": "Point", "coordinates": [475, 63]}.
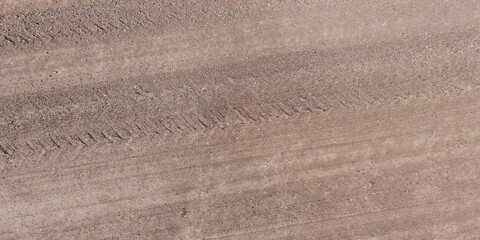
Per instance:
{"type": "Point", "coordinates": [216, 117]}
{"type": "Point", "coordinates": [97, 20]}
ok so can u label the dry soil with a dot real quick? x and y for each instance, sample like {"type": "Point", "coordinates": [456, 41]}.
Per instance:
{"type": "Point", "coordinates": [239, 119]}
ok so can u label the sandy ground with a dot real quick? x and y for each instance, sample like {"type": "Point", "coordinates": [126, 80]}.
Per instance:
{"type": "Point", "coordinates": [239, 119]}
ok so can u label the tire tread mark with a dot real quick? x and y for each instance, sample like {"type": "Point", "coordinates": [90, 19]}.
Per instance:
{"type": "Point", "coordinates": [124, 128]}
{"type": "Point", "coordinates": [69, 143]}
{"type": "Point", "coordinates": [216, 116]}
{"type": "Point", "coordinates": [306, 105]}
{"type": "Point", "coordinates": [152, 126]}
{"type": "Point", "coordinates": [141, 128]}
{"type": "Point", "coordinates": [58, 139]}
{"type": "Point", "coordinates": [175, 123]}
{"type": "Point", "coordinates": [110, 133]}
{"type": "Point", "coordinates": [52, 139]}
{"type": "Point", "coordinates": [213, 113]}
{"type": "Point", "coordinates": [211, 122]}
{"type": "Point", "coordinates": [189, 121]}
{"type": "Point", "coordinates": [319, 103]}
{"type": "Point", "coordinates": [3, 150]}
{"type": "Point", "coordinates": [136, 130]}
{"type": "Point", "coordinates": [77, 137]}
{"type": "Point", "coordinates": [30, 147]}
{"type": "Point", "coordinates": [9, 39]}
{"type": "Point", "coordinates": [227, 113]}
{"type": "Point", "coordinates": [273, 111]}
{"type": "Point", "coordinates": [202, 121]}
{"type": "Point", "coordinates": [293, 105]}
{"type": "Point", "coordinates": [182, 125]}
{"type": "Point", "coordinates": [105, 136]}
{"type": "Point", "coordinates": [219, 112]}
{"type": "Point", "coordinates": [40, 143]}
{"type": "Point", "coordinates": [90, 135]}
{"type": "Point", "coordinates": [210, 118]}
{"type": "Point", "coordinates": [120, 20]}
{"type": "Point", "coordinates": [99, 27]}
{"type": "Point", "coordinates": [280, 106]}
{"type": "Point", "coordinates": [237, 115]}
{"type": "Point", "coordinates": [161, 123]}
{"type": "Point", "coordinates": [11, 149]}
{"type": "Point", "coordinates": [246, 112]}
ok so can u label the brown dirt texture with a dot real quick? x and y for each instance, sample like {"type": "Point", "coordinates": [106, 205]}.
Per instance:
{"type": "Point", "coordinates": [239, 119]}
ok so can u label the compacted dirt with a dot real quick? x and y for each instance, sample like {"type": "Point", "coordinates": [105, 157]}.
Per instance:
{"type": "Point", "coordinates": [239, 119]}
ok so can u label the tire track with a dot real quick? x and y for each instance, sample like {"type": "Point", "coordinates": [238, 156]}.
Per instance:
{"type": "Point", "coordinates": [366, 229]}
{"type": "Point", "coordinates": [176, 124]}
{"type": "Point", "coordinates": [252, 161]}
{"type": "Point", "coordinates": [403, 121]}
{"type": "Point", "coordinates": [113, 18]}
{"type": "Point", "coordinates": [261, 198]}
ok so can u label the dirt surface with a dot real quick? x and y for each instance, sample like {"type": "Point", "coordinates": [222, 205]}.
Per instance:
{"type": "Point", "coordinates": [239, 119]}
